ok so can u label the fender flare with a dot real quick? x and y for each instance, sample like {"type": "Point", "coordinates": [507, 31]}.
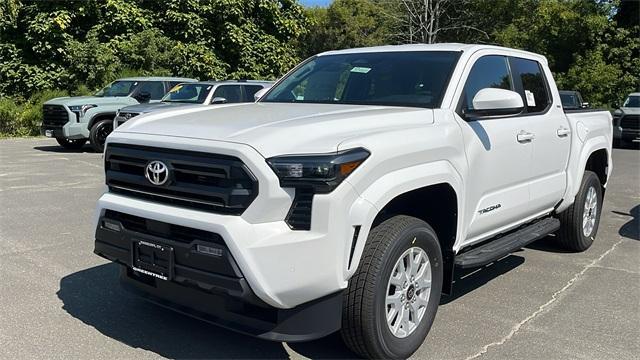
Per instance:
{"type": "Point", "coordinates": [98, 116]}
{"type": "Point", "coordinates": [575, 174]}
{"type": "Point", "coordinates": [386, 188]}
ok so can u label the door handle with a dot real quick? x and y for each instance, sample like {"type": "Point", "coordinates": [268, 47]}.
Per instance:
{"type": "Point", "coordinates": [525, 137]}
{"type": "Point", "coordinates": [563, 131]}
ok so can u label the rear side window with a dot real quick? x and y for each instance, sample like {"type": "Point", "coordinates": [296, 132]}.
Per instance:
{"type": "Point", "coordinates": [490, 71]}
{"type": "Point", "coordinates": [230, 92]}
{"type": "Point", "coordinates": [154, 88]}
{"type": "Point", "coordinates": [250, 90]}
{"type": "Point", "coordinates": [531, 84]}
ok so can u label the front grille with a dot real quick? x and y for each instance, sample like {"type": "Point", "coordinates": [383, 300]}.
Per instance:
{"type": "Point", "coordinates": [630, 122]}
{"type": "Point", "coordinates": [211, 182]}
{"type": "Point", "coordinates": [299, 217]}
{"type": "Point", "coordinates": [54, 115]}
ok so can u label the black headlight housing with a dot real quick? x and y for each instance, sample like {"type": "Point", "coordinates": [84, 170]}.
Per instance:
{"type": "Point", "coordinates": [322, 172]}
{"type": "Point", "coordinates": [313, 174]}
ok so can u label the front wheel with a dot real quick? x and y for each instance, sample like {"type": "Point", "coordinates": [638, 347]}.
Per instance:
{"type": "Point", "coordinates": [71, 144]}
{"type": "Point", "coordinates": [99, 133]}
{"type": "Point", "coordinates": [393, 297]}
{"type": "Point", "coordinates": [579, 223]}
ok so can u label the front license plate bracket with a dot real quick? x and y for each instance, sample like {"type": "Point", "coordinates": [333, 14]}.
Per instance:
{"type": "Point", "coordinates": [152, 259]}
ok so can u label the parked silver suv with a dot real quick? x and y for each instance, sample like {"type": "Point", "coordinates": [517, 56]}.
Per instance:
{"type": "Point", "coordinates": [197, 94]}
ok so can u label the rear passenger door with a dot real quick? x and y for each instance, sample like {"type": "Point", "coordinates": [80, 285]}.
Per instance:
{"type": "Point", "coordinates": [550, 127]}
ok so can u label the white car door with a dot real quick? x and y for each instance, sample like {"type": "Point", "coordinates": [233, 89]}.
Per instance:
{"type": "Point", "coordinates": [499, 156]}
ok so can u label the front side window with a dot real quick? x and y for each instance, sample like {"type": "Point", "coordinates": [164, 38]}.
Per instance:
{"type": "Point", "coordinates": [117, 88]}
{"type": "Point", "coordinates": [154, 88]}
{"type": "Point", "coordinates": [533, 85]}
{"type": "Point", "coordinates": [632, 101]}
{"type": "Point", "coordinates": [188, 93]}
{"type": "Point", "coordinates": [415, 78]}
{"type": "Point", "coordinates": [230, 92]}
{"type": "Point", "coordinates": [490, 71]}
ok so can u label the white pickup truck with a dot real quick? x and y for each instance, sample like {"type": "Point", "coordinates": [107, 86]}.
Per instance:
{"type": "Point", "coordinates": [348, 194]}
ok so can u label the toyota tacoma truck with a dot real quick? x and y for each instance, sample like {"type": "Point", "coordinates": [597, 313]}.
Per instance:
{"type": "Point", "coordinates": [198, 93]}
{"type": "Point", "coordinates": [73, 120]}
{"type": "Point", "coordinates": [626, 121]}
{"type": "Point", "coordinates": [348, 194]}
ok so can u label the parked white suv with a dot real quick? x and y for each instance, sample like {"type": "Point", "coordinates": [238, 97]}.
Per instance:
{"type": "Point", "coordinates": [348, 194]}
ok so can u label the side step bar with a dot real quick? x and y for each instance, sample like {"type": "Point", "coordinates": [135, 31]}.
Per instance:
{"type": "Point", "coordinates": [495, 249]}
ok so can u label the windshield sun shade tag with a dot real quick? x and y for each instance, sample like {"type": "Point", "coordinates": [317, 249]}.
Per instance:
{"type": "Point", "coordinates": [360, 69]}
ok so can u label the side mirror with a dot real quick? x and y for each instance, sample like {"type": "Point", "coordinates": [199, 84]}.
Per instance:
{"type": "Point", "coordinates": [259, 94]}
{"type": "Point", "coordinates": [143, 97]}
{"type": "Point", "coordinates": [219, 100]}
{"type": "Point", "coordinates": [495, 102]}
{"type": "Point", "coordinates": [585, 105]}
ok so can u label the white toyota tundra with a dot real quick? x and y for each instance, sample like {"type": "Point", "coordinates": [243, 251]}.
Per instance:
{"type": "Point", "coordinates": [347, 195]}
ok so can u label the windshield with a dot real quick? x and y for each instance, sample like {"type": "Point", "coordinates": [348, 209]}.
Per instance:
{"type": "Point", "coordinates": [416, 78]}
{"type": "Point", "coordinates": [117, 88]}
{"type": "Point", "coordinates": [188, 93]}
{"type": "Point", "coordinates": [632, 101]}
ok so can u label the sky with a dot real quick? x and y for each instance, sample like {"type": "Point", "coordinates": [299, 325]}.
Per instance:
{"type": "Point", "coordinates": [315, 2]}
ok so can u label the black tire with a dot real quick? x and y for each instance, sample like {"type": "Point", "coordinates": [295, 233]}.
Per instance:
{"type": "Point", "coordinates": [99, 132]}
{"type": "Point", "coordinates": [364, 325]}
{"type": "Point", "coordinates": [71, 144]}
{"type": "Point", "coordinates": [572, 233]}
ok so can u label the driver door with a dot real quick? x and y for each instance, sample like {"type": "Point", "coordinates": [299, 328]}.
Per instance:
{"type": "Point", "coordinates": [497, 186]}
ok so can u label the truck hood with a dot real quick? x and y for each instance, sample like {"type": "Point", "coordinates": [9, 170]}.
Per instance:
{"type": "Point", "coordinates": [84, 100]}
{"type": "Point", "coordinates": [149, 107]}
{"type": "Point", "coordinates": [278, 128]}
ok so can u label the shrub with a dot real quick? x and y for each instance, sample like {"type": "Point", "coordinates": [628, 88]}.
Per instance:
{"type": "Point", "coordinates": [23, 118]}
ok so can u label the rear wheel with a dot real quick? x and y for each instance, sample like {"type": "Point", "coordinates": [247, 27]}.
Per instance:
{"type": "Point", "coordinates": [393, 297]}
{"type": "Point", "coordinates": [581, 220]}
{"type": "Point", "coordinates": [99, 133]}
{"type": "Point", "coordinates": [72, 144]}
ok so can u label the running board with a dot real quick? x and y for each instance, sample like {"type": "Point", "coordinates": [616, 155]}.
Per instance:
{"type": "Point", "coordinates": [496, 249]}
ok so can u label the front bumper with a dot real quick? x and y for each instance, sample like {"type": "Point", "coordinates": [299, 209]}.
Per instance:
{"type": "Point", "coordinates": [208, 285]}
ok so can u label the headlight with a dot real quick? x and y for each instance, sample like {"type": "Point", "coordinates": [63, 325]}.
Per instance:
{"type": "Point", "coordinates": [323, 172]}
{"type": "Point", "coordinates": [81, 109]}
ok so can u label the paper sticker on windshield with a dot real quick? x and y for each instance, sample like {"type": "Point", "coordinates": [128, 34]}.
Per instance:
{"type": "Point", "coordinates": [531, 100]}
{"type": "Point", "coordinates": [360, 69]}
{"type": "Point", "coordinates": [175, 88]}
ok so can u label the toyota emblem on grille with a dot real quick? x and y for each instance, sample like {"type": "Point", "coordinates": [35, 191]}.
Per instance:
{"type": "Point", "coordinates": [157, 172]}
{"type": "Point", "coordinates": [127, 116]}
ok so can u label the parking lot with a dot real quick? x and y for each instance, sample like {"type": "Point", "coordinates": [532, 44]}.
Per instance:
{"type": "Point", "coordinates": [59, 300]}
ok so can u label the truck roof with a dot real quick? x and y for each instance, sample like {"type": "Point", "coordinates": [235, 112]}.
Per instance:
{"type": "Point", "coordinates": [158, 78]}
{"type": "Point", "coordinates": [467, 48]}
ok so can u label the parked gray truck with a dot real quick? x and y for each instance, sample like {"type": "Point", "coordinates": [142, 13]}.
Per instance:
{"type": "Point", "coordinates": [626, 120]}
{"type": "Point", "coordinates": [74, 120]}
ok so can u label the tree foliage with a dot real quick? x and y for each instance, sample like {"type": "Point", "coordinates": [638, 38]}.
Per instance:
{"type": "Point", "coordinates": [66, 44]}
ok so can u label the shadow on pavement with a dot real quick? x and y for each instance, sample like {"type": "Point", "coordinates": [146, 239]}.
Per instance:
{"type": "Point", "coordinates": [94, 296]}
{"type": "Point", "coordinates": [631, 229]}
{"type": "Point", "coordinates": [60, 149]}
{"type": "Point", "coordinates": [467, 280]}
{"type": "Point", "coordinates": [549, 244]}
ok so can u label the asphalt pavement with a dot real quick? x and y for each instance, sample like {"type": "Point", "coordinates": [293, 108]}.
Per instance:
{"type": "Point", "coordinates": [59, 300]}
